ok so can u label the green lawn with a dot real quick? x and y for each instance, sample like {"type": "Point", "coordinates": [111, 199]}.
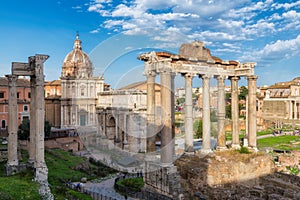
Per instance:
{"type": "Point", "coordinates": [285, 142]}
{"type": "Point", "coordinates": [62, 166]}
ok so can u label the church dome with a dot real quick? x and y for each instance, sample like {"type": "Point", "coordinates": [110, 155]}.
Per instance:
{"type": "Point", "coordinates": [77, 63]}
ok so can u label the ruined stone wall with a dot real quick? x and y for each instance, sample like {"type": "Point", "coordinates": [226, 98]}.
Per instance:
{"type": "Point", "coordinates": [231, 175]}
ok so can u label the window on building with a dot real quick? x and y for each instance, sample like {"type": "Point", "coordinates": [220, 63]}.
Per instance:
{"type": "Point", "coordinates": [29, 95]}
{"type": "Point", "coordinates": [3, 124]}
{"type": "Point", "coordinates": [82, 91]}
{"type": "Point", "coordinates": [1, 94]}
{"type": "Point", "coordinates": [25, 108]}
{"type": "Point", "coordinates": [18, 95]}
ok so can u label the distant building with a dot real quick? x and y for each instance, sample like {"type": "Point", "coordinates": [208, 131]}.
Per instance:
{"type": "Point", "coordinates": [122, 115]}
{"type": "Point", "coordinates": [281, 102]}
{"type": "Point", "coordinates": [23, 95]}
{"type": "Point", "coordinates": [79, 89]}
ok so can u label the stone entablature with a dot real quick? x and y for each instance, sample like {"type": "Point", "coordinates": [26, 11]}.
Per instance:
{"type": "Point", "coordinates": [194, 60]}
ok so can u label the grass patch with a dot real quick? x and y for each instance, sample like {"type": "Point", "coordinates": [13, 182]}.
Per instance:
{"type": "Point", "coordinates": [62, 166]}
{"type": "Point", "coordinates": [285, 142]}
{"type": "Point", "coordinates": [133, 184]}
{"type": "Point", "coordinates": [229, 136]}
{"type": "Point", "coordinates": [19, 186]}
{"type": "Point", "coordinates": [265, 132]}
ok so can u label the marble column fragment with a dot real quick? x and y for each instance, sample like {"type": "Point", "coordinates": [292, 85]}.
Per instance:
{"type": "Point", "coordinates": [252, 111]}
{"type": "Point", "coordinates": [235, 112]}
{"type": "Point", "coordinates": [189, 146]}
{"type": "Point", "coordinates": [206, 146]}
{"type": "Point", "coordinates": [12, 121]}
{"type": "Point", "coordinates": [221, 113]}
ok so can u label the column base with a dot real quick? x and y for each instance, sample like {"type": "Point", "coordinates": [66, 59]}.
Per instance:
{"type": "Point", "coordinates": [189, 153]}
{"type": "Point", "coordinates": [166, 165]}
{"type": "Point", "coordinates": [41, 174]}
{"type": "Point", "coordinates": [236, 146]}
{"type": "Point", "coordinates": [253, 149]}
{"type": "Point", "coordinates": [245, 143]}
{"type": "Point", "coordinates": [205, 151]}
{"type": "Point", "coordinates": [221, 148]}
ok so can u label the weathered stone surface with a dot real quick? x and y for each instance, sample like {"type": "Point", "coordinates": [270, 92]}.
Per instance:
{"type": "Point", "coordinates": [241, 176]}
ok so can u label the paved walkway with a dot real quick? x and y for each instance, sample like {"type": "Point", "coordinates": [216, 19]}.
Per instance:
{"type": "Point", "coordinates": [105, 188]}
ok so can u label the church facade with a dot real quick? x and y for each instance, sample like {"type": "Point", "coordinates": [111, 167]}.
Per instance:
{"type": "Point", "coordinates": [79, 89]}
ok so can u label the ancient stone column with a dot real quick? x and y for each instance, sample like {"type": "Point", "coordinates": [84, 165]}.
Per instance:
{"type": "Point", "coordinates": [291, 109]}
{"type": "Point", "coordinates": [32, 144]}
{"type": "Point", "coordinates": [125, 129]}
{"type": "Point", "coordinates": [117, 126]}
{"type": "Point", "coordinates": [221, 113]}
{"type": "Point", "coordinates": [206, 147]}
{"type": "Point", "coordinates": [12, 122]}
{"type": "Point", "coordinates": [188, 116]}
{"type": "Point", "coordinates": [295, 110]}
{"type": "Point", "coordinates": [252, 111]}
{"type": "Point", "coordinates": [166, 132]}
{"type": "Point", "coordinates": [41, 171]}
{"type": "Point", "coordinates": [151, 132]}
{"type": "Point", "coordinates": [235, 112]}
{"type": "Point", "coordinates": [173, 110]}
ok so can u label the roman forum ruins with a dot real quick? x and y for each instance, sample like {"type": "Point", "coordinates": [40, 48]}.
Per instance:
{"type": "Point", "coordinates": [34, 69]}
{"type": "Point", "coordinates": [194, 60]}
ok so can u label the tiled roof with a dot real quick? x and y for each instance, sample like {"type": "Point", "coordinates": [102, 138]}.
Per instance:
{"type": "Point", "coordinates": [21, 82]}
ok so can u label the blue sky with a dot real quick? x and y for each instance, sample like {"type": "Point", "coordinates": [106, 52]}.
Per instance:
{"type": "Point", "coordinates": [115, 32]}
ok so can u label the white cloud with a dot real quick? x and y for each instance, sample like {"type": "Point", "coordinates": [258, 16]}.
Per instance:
{"type": "Point", "coordinates": [95, 7]}
{"type": "Point", "coordinates": [287, 6]}
{"type": "Point", "coordinates": [279, 50]}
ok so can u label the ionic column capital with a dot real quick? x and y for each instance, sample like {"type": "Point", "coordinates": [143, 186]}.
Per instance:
{"type": "Point", "coordinates": [220, 77]}
{"type": "Point", "coordinates": [150, 74]}
{"type": "Point", "coordinates": [188, 75]}
{"type": "Point", "coordinates": [12, 79]}
{"type": "Point", "coordinates": [234, 78]}
{"type": "Point", "coordinates": [205, 76]}
{"type": "Point", "coordinates": [252, 77]}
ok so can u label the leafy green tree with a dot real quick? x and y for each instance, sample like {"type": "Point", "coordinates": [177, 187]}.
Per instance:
{"type": "Point", "coordinates": [199, 130]}
{"type": "Point", "coordinates": [243, 93]}
{"type": "Point", "coordinates": [180, 100]}
{"type": "Point", "coordinates": [24, 129]}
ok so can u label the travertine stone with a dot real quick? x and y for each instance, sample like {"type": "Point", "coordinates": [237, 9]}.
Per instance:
{"type": "Point", "coordinates": [189, 146]}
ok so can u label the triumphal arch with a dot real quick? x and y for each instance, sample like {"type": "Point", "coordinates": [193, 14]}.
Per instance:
{"type": "Point", "coordinates": [193, 61]}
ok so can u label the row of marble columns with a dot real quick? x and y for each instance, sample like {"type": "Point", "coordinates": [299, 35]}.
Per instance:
{"type": "Point", "coordinates": [294, 110]}
{"type": "Point", "coordinates": [167, 132]}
